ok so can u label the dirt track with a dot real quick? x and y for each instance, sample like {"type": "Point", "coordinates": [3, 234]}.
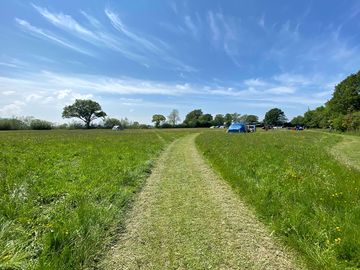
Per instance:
{"type": "Point", "coordinates": [186, 217]}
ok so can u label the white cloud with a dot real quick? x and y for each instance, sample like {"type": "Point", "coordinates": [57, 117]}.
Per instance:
{"type": "Point", "coordinates": [63, 21]}
{"type": "Point", "coordinates": [14, 108]}
{"type": "Point", "coordinates": [281, 90]}
{"type": "Point", "coordinates": [49, 36]}
{"type": "Point", "coordinates": [8, 93]}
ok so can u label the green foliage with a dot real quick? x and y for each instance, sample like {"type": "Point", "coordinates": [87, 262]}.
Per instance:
{"type": "Point", "coordinates": [158, 119]}
{"type": "Point", "coordinates": [84, 109]}
{"type": "Point", "coordinates": [38, 124]}
{"type": "Point", "coordinates": [219, 120]}
{"type": "Point", "coordinates": [111, 122]}
{"type": "Point", "coordinates": [307, 197]}
{"type": "Point", "coordinates": [64, 193]}
{"type": "Point", "coordinates": [192, 118]}
{"type": "Point", "coordinates": [12, 124]}
{"type": "Point", "coordinates": [346, 97]}
{"type": "Point", "coordinates": [228, 119]}
{"type": "Point", "coordinates": [298, 120]}
{"type": "Point", "coordinates": [249, 119]}
{"type": "Point", "coordinates": [275, 117]}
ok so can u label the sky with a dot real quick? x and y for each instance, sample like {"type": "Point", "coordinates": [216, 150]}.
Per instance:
{"type": "Point", "coordinates": [139, 58]}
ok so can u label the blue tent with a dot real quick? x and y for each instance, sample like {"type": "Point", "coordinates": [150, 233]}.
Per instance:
{"type": "Point", "coordinates": [237, 128]}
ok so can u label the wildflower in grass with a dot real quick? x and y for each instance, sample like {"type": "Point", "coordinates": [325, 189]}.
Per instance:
{"type": "Point", "coordinates": [338, 229]}
{"type": "Point", "coordinates": [337, 240]}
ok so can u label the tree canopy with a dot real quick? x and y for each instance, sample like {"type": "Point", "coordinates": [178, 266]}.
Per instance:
{"type": "Point", "coordinates": [158, 119]}
{"type": "Point", "coordinates": [84, 109]}
{"type": "Point", "coordinates": [275, 117]}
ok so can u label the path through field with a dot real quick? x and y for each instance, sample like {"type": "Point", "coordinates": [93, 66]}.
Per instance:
{"type": "Point", "coordinates": [348, 151]}
{"type": "Point", "coordinates": [186, 217]}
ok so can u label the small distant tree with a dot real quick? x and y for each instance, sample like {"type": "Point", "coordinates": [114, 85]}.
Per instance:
{"type": "Point", "coordinates": [84, 109]}
{"type": "Point", "coordinates": [236, 117]}
{"type": "Point", "coordinates": [298, 120]}
{"type": "Point", "coordinates": [251, 119]}
{"type": "Point", "coordinates": [158, 119]}
{"type": "Point", "coordinates": [228, 119]}
{"type": "Point", "coordinates": [173, 117]}
{"type": "Point", "coordinates": [111, 122]}
{"type": "Point", "coordinates": [275, 117]}
{"type": "Point", "coordinates": [219, 120]}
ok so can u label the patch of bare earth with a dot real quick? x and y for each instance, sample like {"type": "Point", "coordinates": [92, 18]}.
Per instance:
{"type": "Point", "coordinates": [186, 217]}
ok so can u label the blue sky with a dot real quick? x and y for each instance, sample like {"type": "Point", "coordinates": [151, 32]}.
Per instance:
{"type": "Point", "coordinates": [138, 58]}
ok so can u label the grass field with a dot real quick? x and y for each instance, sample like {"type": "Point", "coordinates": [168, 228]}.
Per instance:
{"type": "Point", "coordinates": [306, 196]}
{"type": "Point", "coordinates": [63, 193]}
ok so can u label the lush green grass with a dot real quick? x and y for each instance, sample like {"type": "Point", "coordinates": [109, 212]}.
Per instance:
{"type": "Point", "coordinates": [310, 199]}
{"type": "Point", "coordinates": [63, 193]}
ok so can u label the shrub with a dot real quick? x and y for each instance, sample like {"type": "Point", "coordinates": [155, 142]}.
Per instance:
{"type": "Point", "coordinates": [12, 124]}
{"type": "Point", "coordinates": [38, 124]}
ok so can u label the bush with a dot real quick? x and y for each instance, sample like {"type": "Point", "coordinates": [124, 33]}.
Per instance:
{"type": "Point", "coordinates": [12, 124]}
{"type": "Point", "coordinates": [38, 124]}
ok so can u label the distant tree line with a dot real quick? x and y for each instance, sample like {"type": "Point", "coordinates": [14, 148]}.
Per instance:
{"type": "Point", "coordinates": [341, 112]}
{"type": "Point", "coordinates": [197, 118]}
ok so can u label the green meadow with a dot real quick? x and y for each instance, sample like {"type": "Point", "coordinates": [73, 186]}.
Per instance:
{"type": "Point", "coordinates": [64, 193]}
{"type": "Point", "coordinates": [298, 186]}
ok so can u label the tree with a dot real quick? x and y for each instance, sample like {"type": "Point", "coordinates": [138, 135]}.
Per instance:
{"type": "Point", "coordinates": [346, 97]}
{"type": "Point", "coordinates": [251, 119]}
{"type": "Point", "coordinates": [275, 117]}
{"type": "Point", "coordinates": [219, 120]}
{"type": "Point", "coordinates": [298, 121]}
{"type": "Point", "coordinates": [173, 117]}
{"type": "Point", "coordinates": [158, 119]}
{"type": "Point", "coordinates": [228, 119]}
{"type": "Point", "coordinates": [192, 118]}
{"type": "Point", "coordinates": [111, 122]}
{"type": "Point", "coordinates": [84, 109]}
{"type": "Point", "coordinates": [205, 120]}
{"type": "Point", "coordinates": [236, 117]}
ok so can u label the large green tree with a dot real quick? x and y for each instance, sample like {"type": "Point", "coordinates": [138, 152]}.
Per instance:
{"type": "Point", "coordinates": [85, 109]}
{"type": "Point", "coordinates": [158, 119]}
{"type": "Point", "coordinates": [275, 117]}
{"type": "Point", "coordinates": [192, 118]}
{"type": "Point", "coordinates": [346, 97]}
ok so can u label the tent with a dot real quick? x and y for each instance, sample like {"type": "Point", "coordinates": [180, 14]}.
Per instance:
{"type": "Point", "coordinates": [237, 128]}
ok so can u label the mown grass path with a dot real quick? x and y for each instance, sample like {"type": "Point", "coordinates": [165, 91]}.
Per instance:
{"type": "Point", "coordinates": [348, 151]}
{"type": "Point", "coordinates": [186, 217]}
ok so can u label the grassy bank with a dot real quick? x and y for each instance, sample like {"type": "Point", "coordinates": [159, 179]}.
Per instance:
{"type": "Point", "coordinates": [307, 197]}
{"type": "Point", "coordinates": [63, 193]}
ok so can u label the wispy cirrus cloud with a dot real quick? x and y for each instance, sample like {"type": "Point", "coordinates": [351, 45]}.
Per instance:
{"type": "Point", "coordinates": [191, 26]}
{"type": "Point", "coordinates": [118, 24]}
{"type": "Point", "coordinates": [64, 21]}
{"type": "Point", "coordinates": [43, 34]}
{"type": "Point", "coordinates": [224, 34]}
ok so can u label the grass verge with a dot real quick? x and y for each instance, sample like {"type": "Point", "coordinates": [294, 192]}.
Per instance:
{"type": "Point", "coordinates": [307, 197]}
{"type": "Point", "coordinates": [63, 193]}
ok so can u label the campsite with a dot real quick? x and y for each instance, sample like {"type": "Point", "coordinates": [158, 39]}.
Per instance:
{"type": "Point", "coordinates": [180, 135]}
{"type": "Point", "coordinates": [65, 193]}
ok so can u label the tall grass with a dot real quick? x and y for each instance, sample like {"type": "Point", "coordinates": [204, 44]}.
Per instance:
{"type": "Point", "coordinates": [308, 198]}
{"type": "Point", "coordinates": [63, 193]}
